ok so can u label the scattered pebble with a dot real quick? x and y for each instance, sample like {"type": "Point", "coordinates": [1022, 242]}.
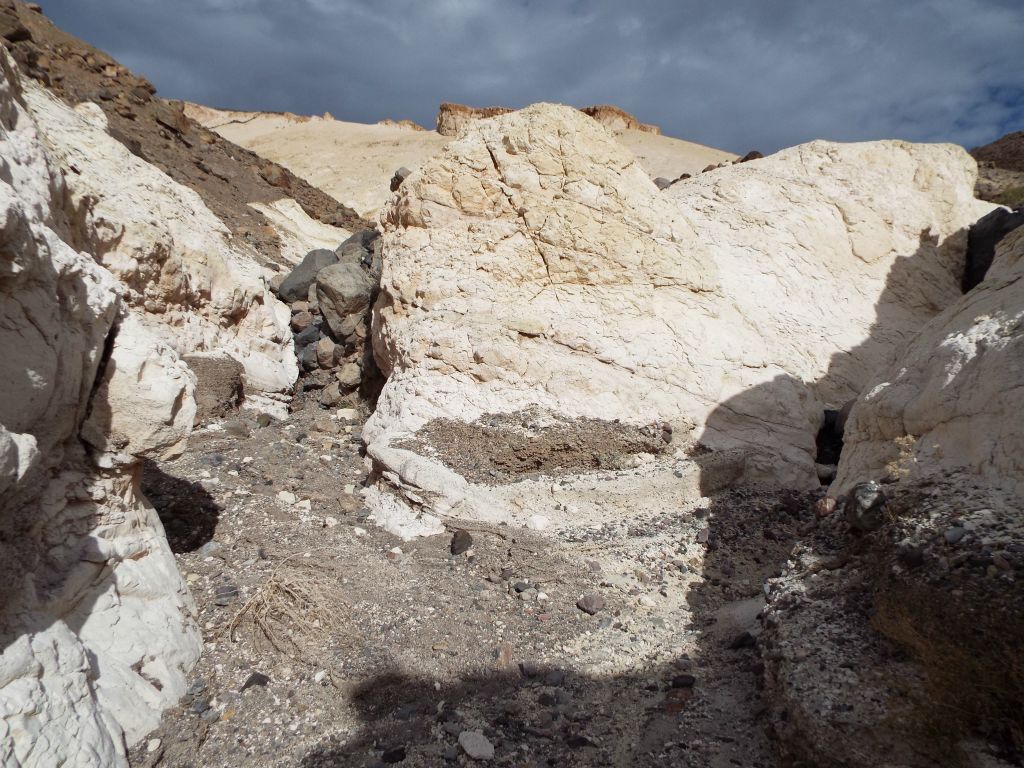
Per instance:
{"type": "Point", "coordinates": [476, 745]}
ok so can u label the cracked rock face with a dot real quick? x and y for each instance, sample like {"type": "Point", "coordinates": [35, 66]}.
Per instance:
{"type": "Point", "coordinates": [953, 399]}
{"type": "Point", "coordinates": [96, 631]}
{"type": "Point", "coordinates": [534, 264]}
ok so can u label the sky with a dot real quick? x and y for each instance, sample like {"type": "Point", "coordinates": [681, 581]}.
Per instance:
{"type": "Point", "coordinates": [733, 74]}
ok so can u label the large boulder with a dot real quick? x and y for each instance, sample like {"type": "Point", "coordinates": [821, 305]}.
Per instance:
{"type": "Point", "coordinates": [295, 286]}
{"type": "Point", "coordinates": [97, 627]}
{"type": "Point", "coordinates": [534, 266]}
{"type": "Point", "coordinates": [344, 292]}
{"type": "Point", "coordinates": [191, 283]}
{"type": "Point", "coordinates": [953, 399]}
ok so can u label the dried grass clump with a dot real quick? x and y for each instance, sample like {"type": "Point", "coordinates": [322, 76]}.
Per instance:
{"type": "Point", "coordinates": [296, 611]}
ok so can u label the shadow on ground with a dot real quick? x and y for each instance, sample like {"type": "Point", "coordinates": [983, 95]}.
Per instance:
{"type": "Point", "coordinates": [704, 708]}
{"type": "Point", "coordinates": [188, 512]}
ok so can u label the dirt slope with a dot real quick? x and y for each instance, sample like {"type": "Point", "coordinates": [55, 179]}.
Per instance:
{"type": "Point", "coordinates": [1001, 169]}
{"type": "Point", "coordinates": [227, 177]}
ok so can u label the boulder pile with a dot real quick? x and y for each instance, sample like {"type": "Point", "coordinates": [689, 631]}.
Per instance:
{"type": "Point", "coordinates": [330, 294]}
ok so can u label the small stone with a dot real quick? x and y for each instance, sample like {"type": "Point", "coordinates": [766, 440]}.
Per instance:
{"type": "Point", "coordinates": [225, 594]}
{"type": "Point", "coordinates": [348, 414]}
{"type": "Point", "coordinates": [399, 176]}
{"type": "Point", "coordinates": [208, 548]}
{"type": "Point", "coordinates": [684, 681]}
{"type": "Point", "coordinates": [461, 541]}
{"type": "Point", "coordinates": [954, 534]}
{"type": "Point", "coordinates": [327, 425]}
{"type": "Point", "coordinates": [476, 745]}
{"type": "Point", "coordinates": [703, 535]}
{"type": "Point", "coordinates": [301, 321]}
{"type": "Point", "coordinates": [349, 375]}
{"type": "Point", "coordinates": [505, 656]}
{"type": "Point", "coordinates": [577, 741]}
{"type": "Point", "coordinates": [300, 306]}
{"type": "Point", "coordinates": [537, 523]}
{"type": "Point", "coordinates": [210, 716]}
{"type": "Point", "coordinates": [153, 745]}
{"type": "Point", "coordinates": [554, 677]}
{"type": "Point", "coordinates": [236, 427]}
{"type": "Point", "coordinates": [590, 603]}
{"type": "Point", "coordinates": [393, 755]}
{"type": "Point", "coordinates": [594, 566]}
{"type": "Point", "coordinates": [826, 473]}
{"type": "Point", "coordinates": [200, 705]}
{"type": "Point", "coordinates": [825, 506]}
{"type": "Point", "coordinates": [325, 353]}
{"type": "Point", "coordinates": [263, 420]}
{"type": "Point", "coordinates": [286, 497]}
{"type": "Point", "coordinates": [865, 507]}
{"type": "Point", "coordinates": [254, 680]}
{"type": "Point", "coordinates": [357, 531]}
{"type": "Point", "coordinates": [330, 522]}
{"type": "Point", "coordinates": [743, 640]}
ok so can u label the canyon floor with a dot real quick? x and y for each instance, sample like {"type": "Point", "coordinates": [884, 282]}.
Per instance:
{"type": "Point", "coordinates": [329, 642]}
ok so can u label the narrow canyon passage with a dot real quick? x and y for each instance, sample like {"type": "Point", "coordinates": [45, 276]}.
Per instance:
{"type": "Point", "coordinates": [329, 642]}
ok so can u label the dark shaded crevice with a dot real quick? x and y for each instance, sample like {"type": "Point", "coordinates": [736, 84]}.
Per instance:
{"type": "Point", "coordinates": [982, 238]}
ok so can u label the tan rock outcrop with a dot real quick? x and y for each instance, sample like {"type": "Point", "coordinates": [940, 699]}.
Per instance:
{"type": "Point", "coordinates": [615, 119]}
{"type": "Point", "coordinates": [452, 118]}
{"type": "Point", "coordinates": [953, 398]}
{"type": "Point", "coordinates": [193, 285]}
{"type": "Point", "coordinates": [96, 627]}
{"type": "Point", "coordinates": [534, 265]}
{"type": "Point", "coordinates": [409, 125]}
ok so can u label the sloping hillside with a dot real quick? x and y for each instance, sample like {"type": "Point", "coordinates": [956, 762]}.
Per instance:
{"type": "Point", "coordinates": [354, 162]}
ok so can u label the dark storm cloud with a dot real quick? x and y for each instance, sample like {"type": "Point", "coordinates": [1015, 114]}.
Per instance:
{"type": "Point", "coordinates": [735, 74]}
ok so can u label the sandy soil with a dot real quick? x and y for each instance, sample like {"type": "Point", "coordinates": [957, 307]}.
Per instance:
{"type": "Point", "coordinates": [354, 162]}
{"type": "Point", "coordinates": [329, 642]}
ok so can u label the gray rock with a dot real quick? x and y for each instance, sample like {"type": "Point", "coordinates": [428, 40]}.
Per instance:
{"type": "Point", "coordinates": [954, 534]}
{"type": "Point", "coordinates": [590, 603]}
{"type": "Point", "coordinates": [476, 745]}
{"type": "Point", "coordinates": [349, 375]}
{"type": "Point", "coordinates": [256, 679]}
{"type": "Point", "coordinates": [662, 183]}
{"type": "Point", "coordinates": [400, 175]}
{"type": "Point", "coordinates": [309, 336]}
{"type": "Point", "coordinates": [225, 594]}
{"type": "Point", "coordinates": [865, 506]}
{"type": "Point", "coordinates": [295, 287]}
{"type": "Point", "coordinates": [364, 247]}
{"type": "Point", "coordinates": [461, 541]}
{"type": "Point", "coordinates": [344, 292]}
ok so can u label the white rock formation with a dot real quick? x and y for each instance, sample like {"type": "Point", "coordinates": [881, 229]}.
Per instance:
{"type": "Point", "coordinates": [955, 397]}
{"type": "Point", "coordinates": [96, 628]}
{"type": "Point", "coordinates": [534, 264]}
{"type": "Point", "coordinates": [194, 286]}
